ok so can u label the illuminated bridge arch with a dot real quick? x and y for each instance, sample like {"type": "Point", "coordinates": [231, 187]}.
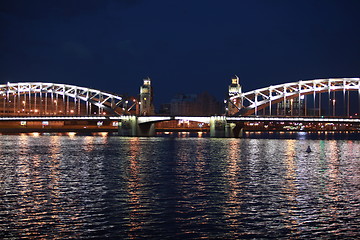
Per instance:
{"type": "Point", "coordinates": [39, 98]}
{"type": "Point", "coordinates": [250, 103]}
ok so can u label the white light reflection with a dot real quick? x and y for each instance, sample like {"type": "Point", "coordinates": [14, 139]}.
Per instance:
{"type": "Point", "coordinates": [135, 189]}
{"type": "Point", "coordinates": [35, 134]}
{"type": "Point", "coordinates": [290, 187]}
{"type": "Point", "coordinates": [71, 134]}
{"type": "Point", "coordinates": [235, 189]}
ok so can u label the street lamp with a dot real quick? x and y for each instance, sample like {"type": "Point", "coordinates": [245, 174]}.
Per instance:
{"type": "Point", "coordinates": [55, 101]}
{"type": "Point", "coordinates": [24, 104]}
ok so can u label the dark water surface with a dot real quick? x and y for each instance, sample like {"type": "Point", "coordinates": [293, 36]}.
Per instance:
{"type": "Point", "coordinates": [178, 188]}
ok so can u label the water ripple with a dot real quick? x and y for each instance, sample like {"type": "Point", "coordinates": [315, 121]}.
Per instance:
{"type": "Point", "coordinates": [176, 188]}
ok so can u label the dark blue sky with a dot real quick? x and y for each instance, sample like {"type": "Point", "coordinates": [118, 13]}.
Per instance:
{"type": "Point", "coordinates": [184, 46]}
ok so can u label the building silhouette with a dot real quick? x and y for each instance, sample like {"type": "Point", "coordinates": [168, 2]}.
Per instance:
{"type": "Point", "coordinates": [202, 104]}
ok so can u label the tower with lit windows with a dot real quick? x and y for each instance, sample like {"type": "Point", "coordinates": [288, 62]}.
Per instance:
{"type": "Point", "coordinates": [146, 98]}
{"type": "Point", "coordinates": [235, 104]}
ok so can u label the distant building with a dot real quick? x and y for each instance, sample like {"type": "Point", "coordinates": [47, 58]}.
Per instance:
{"type": "Point", "coordinates": [291, 107]}
{"type": "Point", "coordinates": [193, 105]}
{"type": "Point", "coordinates": [208, 105]}
{"type": "Point", "coordinates": [183, 104]}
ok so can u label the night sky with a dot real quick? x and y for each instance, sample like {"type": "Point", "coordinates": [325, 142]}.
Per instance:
{"type": "Point", "coordinates": [184, 46]}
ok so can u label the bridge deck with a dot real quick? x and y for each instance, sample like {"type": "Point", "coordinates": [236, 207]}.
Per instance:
{"type": "Point", "coordinates": [146, 119]}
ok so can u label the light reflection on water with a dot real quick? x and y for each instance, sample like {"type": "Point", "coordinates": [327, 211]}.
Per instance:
{"type": "Point", "coordinates": [177, 188]}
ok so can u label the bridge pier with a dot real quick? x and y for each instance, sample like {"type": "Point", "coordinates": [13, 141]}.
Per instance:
{"type": "Point", "coordinates": [129, 126]}
{"type": "Point", "coordinates": [219, 127]}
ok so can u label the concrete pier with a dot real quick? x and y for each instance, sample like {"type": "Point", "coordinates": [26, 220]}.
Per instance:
{"type": "Point", "coordinates": [220, 128]}
{"type": "Point", "coordinates": [130, 126]}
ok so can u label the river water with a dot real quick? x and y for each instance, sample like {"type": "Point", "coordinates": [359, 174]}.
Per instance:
{"type": "Point", "coordinates": [85, 187]}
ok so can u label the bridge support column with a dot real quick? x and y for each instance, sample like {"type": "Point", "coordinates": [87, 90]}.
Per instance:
{"type": "Point", "coordinates": [129, 127]}
{"type": "Point", "coordinates": [219, 127]}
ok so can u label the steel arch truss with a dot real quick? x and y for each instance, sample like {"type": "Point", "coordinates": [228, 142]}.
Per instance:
{"type": "Point", "coordinates": [103, 100]}
{"type": "Point", "coordinates": [251, 102]}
